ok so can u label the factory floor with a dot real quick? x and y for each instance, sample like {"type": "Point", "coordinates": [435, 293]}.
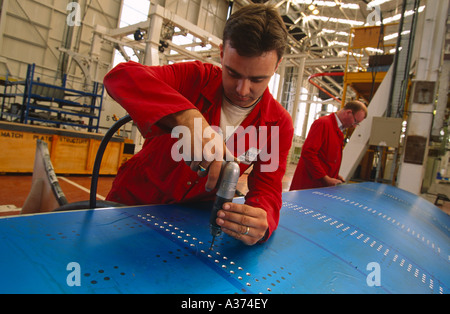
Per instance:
{"type": "Point", "coordinates": [14, 190]}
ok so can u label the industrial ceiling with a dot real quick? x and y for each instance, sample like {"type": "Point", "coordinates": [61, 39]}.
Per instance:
{"type": "Point", "coordinates": [37, 32]}
{"type": "Point", "coordinates": [321, 29]}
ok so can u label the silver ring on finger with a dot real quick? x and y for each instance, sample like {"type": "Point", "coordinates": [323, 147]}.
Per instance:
{"type": "Point", "coordinates": [247, 231]}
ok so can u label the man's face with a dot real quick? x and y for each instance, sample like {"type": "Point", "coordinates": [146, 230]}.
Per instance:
{"type": "Point", "coordinates": [246, 78]}
{"type": "Point", "coordinates": [353, 119]}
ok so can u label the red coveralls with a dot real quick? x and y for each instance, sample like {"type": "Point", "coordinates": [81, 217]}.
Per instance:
{"type": "Point", "coordinates": [321, 154]}
{"type": "Point", "coordinates": [152, 176]}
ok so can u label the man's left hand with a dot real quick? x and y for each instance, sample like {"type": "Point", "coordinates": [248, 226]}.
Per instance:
{"type": "Point", "coordinates": [243, 222]}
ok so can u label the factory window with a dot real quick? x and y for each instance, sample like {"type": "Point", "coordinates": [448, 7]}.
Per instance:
{"type": "Point", "coordinates": [133, 11]}
{"type": "Point", "coordinates": [308, 114]}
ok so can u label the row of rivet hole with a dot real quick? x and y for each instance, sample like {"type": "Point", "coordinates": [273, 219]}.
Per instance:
{"type": "Point", "coordinates": [224, 266]}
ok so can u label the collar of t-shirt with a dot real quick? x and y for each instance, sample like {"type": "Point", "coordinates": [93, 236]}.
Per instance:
{"type": "Point", "coordinates": [231, 116]}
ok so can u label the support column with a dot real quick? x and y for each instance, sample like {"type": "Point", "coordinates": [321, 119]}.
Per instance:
{"type": "Point", "coordinates": [156, 14]}
{"type": "Point", "coordinates": [151, 57]}
{"type": "Point", "coordinates": [441, 106]}
{"type": "Point", "coordinates": [311, 92]}
{"type": "Point", "coordinates": [420, 119]}
{"type": "Point", "coordinates": [298, 90]}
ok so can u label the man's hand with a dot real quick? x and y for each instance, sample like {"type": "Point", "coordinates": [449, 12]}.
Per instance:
{"type": "Point", "coordinates": [208, 149]}
{"type": "Point", "coordinates": [341, 178]}
{"type": "Point", "coordinates": [243, 222]}
{"type": "Point", "coordinates": [332, 181]}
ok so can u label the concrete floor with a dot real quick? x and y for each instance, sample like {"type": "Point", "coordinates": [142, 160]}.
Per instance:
{"type": "Point", "coordinates": [14, 190]}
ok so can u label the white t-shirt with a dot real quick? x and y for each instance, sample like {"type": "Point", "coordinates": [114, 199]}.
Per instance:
{"type": "Point", "coordinates": [231, 116]}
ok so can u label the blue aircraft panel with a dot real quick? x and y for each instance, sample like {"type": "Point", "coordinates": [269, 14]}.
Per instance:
{"type": "Point", "coordinates": [355, 238]}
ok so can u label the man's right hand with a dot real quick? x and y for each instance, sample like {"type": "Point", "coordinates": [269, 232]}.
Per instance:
{"type": "Point", "coordinates": [208, 150]}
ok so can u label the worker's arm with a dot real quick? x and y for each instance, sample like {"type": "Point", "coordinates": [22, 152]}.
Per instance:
{"type": "Point", "coordinates": [158, 100]}
{"type": "Point", "coordinates": [213, 150]}
{"type": "Point", "coordinates": [150, 93]}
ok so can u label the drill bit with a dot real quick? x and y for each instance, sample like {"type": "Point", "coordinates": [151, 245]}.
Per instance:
{"type": "Point", "coordinates": [212, 243]}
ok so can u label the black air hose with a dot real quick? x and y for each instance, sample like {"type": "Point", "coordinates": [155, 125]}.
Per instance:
{"type": "Point", "coordinates": [99, 157]}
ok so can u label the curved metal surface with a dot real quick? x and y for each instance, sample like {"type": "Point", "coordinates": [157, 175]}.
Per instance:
{"type": "Point", "coordinates": [328, 241]}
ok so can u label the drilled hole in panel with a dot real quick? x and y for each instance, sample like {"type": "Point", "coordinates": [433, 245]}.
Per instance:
{"type": "Point", "coordinates": [270, 280]}
{"type": "Point", "coordinates": [61, 235]}
{"type": "Point", "coordinates": [102, 275]}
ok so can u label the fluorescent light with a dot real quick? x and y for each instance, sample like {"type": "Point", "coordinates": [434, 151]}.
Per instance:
{"type": "Point", "coordinates": [352, 6]}
{"type": "Point", "coordinates": [330, 4]}
{"type": "Point", "coordinates": [328, 31]}
{"type": "Point", "coordinates": [374, 50]}
{"type": "Point", "coordinates": [335, 20]}
{"type": "Point", "coordinates": [303, 2]}
{"type": "Point", "coordinates": [395, 35]}
{"type": "Point", "coordinates": [399, 16]}
{"type": "Point", "coordinates": [375, 3]}
{"type": "Point", "coordinates": [344, 34]}
{"type": "Point", "coordinates": [338, 43]}
{"type": "Point", "coordinates": [343, 52]}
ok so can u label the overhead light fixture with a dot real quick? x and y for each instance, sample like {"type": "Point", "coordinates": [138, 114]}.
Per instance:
{"type": "Point", "coordinates": [395, 35]}
{"type": "Point", "coordinates": [139, 35]}
{"type": "Point", "coordinates": [375, 3]}
{"type": "Point", "coordinates": [340, 33]}
{"type": "Point", "coordinates": [343, 52]}
{"type": "Point", "coordinates": [345, 34]}
{"type": "Point", "coordinates": [338, 43]}
{"type": "Point", "coordinates": [399, 16]}
{"type": "Point", "coordinates": [313, 9]}
{"type": "Point", "coordinates": [328, 31]}
{"type": "Point", "coordinates": [374, 50]}
{"type": "Point", "coordinates": [335, 20]}
{"type": "Point", "coordinates": [330, 4]}
{"type": "Point", "coordinates": [302, 1]}
{"type": "Point", "coordinates": [352, 6]}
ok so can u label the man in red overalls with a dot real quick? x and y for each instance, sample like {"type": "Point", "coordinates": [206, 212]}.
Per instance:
{"type": "Point", "coordinates": [231, 104]}
{"type": "Point", "coordinates": [321, 155]}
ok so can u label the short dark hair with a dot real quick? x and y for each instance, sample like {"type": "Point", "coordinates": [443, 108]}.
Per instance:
{"type": "Point", "coordinates": [255, 29]}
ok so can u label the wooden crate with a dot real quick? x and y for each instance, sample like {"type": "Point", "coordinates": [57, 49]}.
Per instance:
{"type": "Point", "coordinates": [70, 152]}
